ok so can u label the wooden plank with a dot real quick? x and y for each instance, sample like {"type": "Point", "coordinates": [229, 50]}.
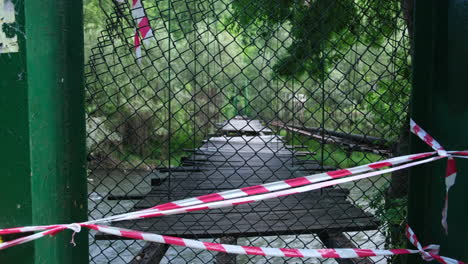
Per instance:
{"type": "Point", "coordinates": [316, 199]}
{"type": "Point", "coordinates": [112, 197]}
{"type": "Point", "coordinates": [152, 253]}
{"type": "Point", "coordinates": [366, 139]}
{"type": "Point", "coordinates": [157, 181]}
{"type": "Point", "coordinates": [350, 141]}
{"type": "Point", "coordinates": [239, 165]}
{"type": "Point", "coordinates": [223, 258]}
{"type": "Point", "coordinates": [217, 223]}
{"type": "Point", "coordinates": [178, 169]}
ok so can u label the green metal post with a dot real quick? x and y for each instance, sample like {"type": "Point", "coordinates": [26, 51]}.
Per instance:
{"type": "Point", "coordinates": [54, 30]}
{"type": "Point", "coordinates": [439, 106]}
{"type": "Point", "coordinates": [15, 191]}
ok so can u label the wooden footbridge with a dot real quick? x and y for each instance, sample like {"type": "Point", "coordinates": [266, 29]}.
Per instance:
{"type": "Point", "coordinates": [230, 162]}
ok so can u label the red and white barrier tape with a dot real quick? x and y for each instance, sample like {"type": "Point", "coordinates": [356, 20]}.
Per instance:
{"type": "Point", "coordinates": [249, 250]}
{"type": "Point", "coordinates": [417, 130]}
{"type": "Point", "coordinates": [269, 195]}
{"type": "Point", "coordinates": [266, 188]}
{"type": "Point", "coordinates": [143, 30]}
{"type": "Point", "coordinates": [50, 230]}
{"type": "Point", "coordinates": [201, 204]}
{"type": "Point", "coordinates": [268, 191]}
{"type": "Point", "coordinates": [451, 171]}
{"type": "Point", "coordinates": [229, 202]}
{"type": "Point", "coordinates": [279, 185]}
{"type": "Point", "coordinates": [428, 253]}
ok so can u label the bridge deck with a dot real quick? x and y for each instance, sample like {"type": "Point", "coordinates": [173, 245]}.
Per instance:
{"type": "Point", "coordinates": [218, 166]}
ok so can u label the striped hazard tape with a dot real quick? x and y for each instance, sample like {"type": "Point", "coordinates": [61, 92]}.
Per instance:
{"type": "Point", "coordinates": [269, 191]}
{"type": "Point", "coordinates": [143, 29]}
{"type": "Point", "coordinates": [428, 253]}
{"type": "Point", "coordinates": [451, 171]}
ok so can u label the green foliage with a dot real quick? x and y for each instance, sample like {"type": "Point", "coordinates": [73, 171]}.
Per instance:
{"type": "Point", "coordinates": [333, 155]}
{"type": "Point", "coordinates": [94, 21]}
{"type": "Point", "coordinates": [322, 30]}
{"type": "Point", "coordinates": [392, 214]}
{"type": "Point", "coordinates": [388, 102]}
{"type": "Point", "coordinates": [215, 59]}
{"type": "Point", "coordinates": [315, 28]}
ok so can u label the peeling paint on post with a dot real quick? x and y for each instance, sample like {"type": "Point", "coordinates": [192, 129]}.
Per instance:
{"type": "Point", "coordinates": [8, 27]}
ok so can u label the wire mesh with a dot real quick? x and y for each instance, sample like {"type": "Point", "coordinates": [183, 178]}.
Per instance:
{"type": "Point", "coordinates": [232, 93]}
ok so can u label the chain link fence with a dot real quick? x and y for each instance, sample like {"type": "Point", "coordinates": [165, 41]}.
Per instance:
{"type": "Point", "coordinates": [231, 93]}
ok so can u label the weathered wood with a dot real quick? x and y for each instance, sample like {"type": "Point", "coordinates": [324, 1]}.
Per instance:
{"type": "Point", "coordinates": [352, 142]}
{"type": "Point", "coordinates": [223, 258]}
{"type": "Point", "coordinates": [157, 181]}
{"type": "Point", "coordinates": [304, 153]}
{"type": "Point", "coordinates": [371, 140]}
{"type": "Point", "coordinates": [334, 239]}
{"type": "Point", "coordinates": [151, 253]}
{"type": "Point", "coordinates": [295, 146]}
{"type": "Point", "coordinates": [298, 214]}
{"type": "Point", "coordinates": [112, 197]}
{"type": "Point", "coordinates": [326, 198]}
{"type": "Point", "coordinates": [295, 217]}
{"type": "Point", "coordinates": [218, 166]}
{"type": "Point", "coordinates": [178, 169]}
{"type": "Point", "coordinates": [364, 139]}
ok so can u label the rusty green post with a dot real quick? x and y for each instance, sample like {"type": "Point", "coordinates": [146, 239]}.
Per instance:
{"type": "Point", "coordinates": [54, 45]}
{"type": "Point", "coordinates": [439, 106]}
